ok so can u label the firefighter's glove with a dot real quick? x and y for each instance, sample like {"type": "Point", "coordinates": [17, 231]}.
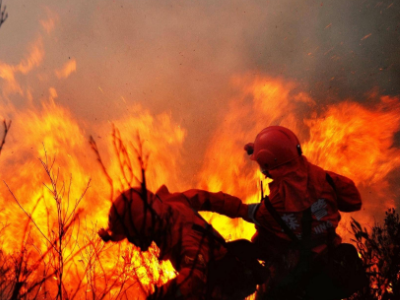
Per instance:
{"type": "Point", "coordinates": [251, 212]}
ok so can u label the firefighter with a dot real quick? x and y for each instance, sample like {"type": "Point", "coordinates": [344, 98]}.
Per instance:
{"type": "Point", "coordinates": [207, 266]}
{"type": "Point", "coordinates": [296, 223]}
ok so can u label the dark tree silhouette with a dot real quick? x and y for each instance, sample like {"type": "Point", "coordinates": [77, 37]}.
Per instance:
{"type": "Point", "coordinates": [380, 252]}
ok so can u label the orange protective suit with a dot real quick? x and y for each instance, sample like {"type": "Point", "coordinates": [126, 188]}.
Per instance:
{"type": "Point", "coordinates": [183, 236]}
{"type": "Point", "coordinates": [298, 188]}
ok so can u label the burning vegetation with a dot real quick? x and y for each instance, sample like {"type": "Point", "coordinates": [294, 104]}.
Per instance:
{"type": "Point", "coordinates": [50, 248]}
{"type": "Point", "coordinates": [380, 252]}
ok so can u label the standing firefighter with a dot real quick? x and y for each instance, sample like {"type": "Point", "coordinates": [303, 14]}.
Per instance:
{"type": "Point", "coordinates": [296, 223]}
{"type": "Point", "coordinates": [208, 267]}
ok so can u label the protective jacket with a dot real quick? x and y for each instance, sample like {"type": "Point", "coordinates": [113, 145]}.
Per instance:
{"type": "Point", "coordinates": [194, 244]}
{"type": "Point", "coordinates": [297, 186]}
{"type": "Point", "coordinates": [183, 236]}
{"type": "Point", "coordinates": [308, 199]}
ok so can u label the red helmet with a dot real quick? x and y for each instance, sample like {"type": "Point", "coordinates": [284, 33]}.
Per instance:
{"type": "Point", "coordinates": [134, 216]}
{"type": "Point", "coordinates": [273, 147]}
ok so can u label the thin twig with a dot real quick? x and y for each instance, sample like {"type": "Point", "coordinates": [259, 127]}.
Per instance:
{"type": "Point", "coordinates": [3, 15]}
{"type": "Point", "coordinates": [6, 126]}
{"type": "Point", "coordinates": [29, 216]}
{"type": "Point", "coordinates": [93, 145]}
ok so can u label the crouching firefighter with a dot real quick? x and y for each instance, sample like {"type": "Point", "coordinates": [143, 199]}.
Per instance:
{"type": "Point", "coordinates": [296, 224]}
{"type": "Point", "coordinates": [208, 267]}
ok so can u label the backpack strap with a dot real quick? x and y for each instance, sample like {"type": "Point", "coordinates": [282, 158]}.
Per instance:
{"type": "Point", "coordinates": [330, 181]}
{"type": "Point", "coordinates": [279, 220]}
{"type": "Point", "coordinates": [209, 232]}
{"type": "Point", "coordinates": [331, 233]}
{"type": "Point", "coordinates": [306, 226]}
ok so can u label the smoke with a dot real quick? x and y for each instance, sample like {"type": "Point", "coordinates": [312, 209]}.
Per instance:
{"type": "Point", "coordinates": [335, 49]}
{"type": "Point", "coordinates": [179, 57]}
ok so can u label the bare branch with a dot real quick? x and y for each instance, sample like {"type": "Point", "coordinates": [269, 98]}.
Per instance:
{"type": "Point", "coordinates": [93, 145]}
{"type": "Point", "coordinates": [123, 158]}
{"type": "Point", "coordinates": [29, 216]}
{"type": "Point", "coordinates": [3, 16]}
{"type": "Point", "coordinates": [6, 126]}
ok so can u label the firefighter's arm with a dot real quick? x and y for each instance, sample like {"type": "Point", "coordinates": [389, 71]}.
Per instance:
{"type": "Point", "coordinates": [220, 202]}
{"type": "Point", "coordinates": [348, 196]}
